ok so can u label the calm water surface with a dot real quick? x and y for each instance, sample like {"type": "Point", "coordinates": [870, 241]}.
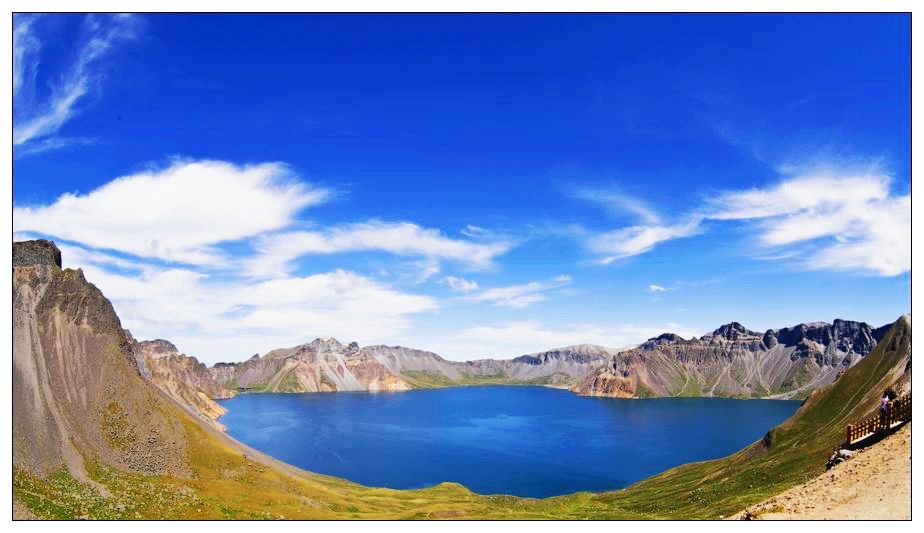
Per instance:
{"type": "Point", "coordinates": [528, 441]}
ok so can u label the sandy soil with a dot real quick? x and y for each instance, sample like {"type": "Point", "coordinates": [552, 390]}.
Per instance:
{"type": "Point", "coordinates": [874, 484]}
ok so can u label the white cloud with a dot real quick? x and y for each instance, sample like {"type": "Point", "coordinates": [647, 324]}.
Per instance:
{"type": "Point", "coordinates": [460, 284]}
{"type": "Point", "coordinates": [223, 319]}
{"type": "Point", "coordinates": [817, 220]}
{"type": "Point", "coordinates": [178, 213]}
{"type": "Point", "coordinates": [531, 336]}
{"type": "Point", "coordinates": [656, 288]}
{"type": "Point", "coordinates": [35, 120]}
{"type": "Point", "coordinates": [474, 231]}
{"type": "Point", "coordinates": [153, 242]}
{"type": "Point", "coordinates": [844, 222]}
{"type": "Point", "coordinates": [277, 251]}
{"type": "Point", "coordinates": [635, 240]}
{"type": "Point", "coordinates": [519, 296]}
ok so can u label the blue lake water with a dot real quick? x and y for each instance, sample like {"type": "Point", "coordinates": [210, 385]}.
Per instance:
{"type": "Point", "coordinates": [527, 441]}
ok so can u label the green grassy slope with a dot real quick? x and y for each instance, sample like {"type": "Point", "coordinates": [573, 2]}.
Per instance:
{"type": "Point", "coordinates": [232, 481]}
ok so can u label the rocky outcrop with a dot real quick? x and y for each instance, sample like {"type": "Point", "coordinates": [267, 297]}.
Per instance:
{"type": "Point", "coordinates": [78, 394]}
{"type": "Point", "coordinates": [182, 377]}
{"type": "Point", "coordinates": [734, 361]}
{"type": "Point", "coordinates": [33, 253]}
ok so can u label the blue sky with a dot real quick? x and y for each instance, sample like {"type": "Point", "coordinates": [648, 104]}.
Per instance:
{"type": "Point", "coordinates": [479, 186]}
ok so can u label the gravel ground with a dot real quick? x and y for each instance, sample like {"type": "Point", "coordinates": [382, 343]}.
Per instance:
{"type": "Point", "coordinates": [874, 484]}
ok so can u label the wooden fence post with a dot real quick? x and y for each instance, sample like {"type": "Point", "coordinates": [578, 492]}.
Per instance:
{"type": "Point", "coordinates": [849, 433]}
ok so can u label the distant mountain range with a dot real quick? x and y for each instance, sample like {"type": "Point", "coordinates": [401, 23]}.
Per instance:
{"type": "Point", "coordinates": [732, 361]}
{"type": "Point", "coordinates": [326, 365]}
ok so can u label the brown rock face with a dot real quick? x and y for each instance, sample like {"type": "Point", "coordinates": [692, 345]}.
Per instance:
{"type": "Point", "coordinates": [323, 365]}
{"type": "Point", "coordinates": [182, 377]}
{"type": "Point", "coordinates": [77, 391]}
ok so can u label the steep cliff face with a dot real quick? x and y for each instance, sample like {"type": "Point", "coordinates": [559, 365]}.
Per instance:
{"type": "Point", "coordinates": [182, 377]}
{"type": "Point", "coordinates": [734, 361]}
{"type": "Point", "coordinates": [78, 395]}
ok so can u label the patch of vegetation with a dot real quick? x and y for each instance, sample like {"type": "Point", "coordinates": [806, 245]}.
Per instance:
{"type": "Point", "coordinates": [691, 388]}
{"type": "Point", "coordinates": [501, 378]}
{"type": "Point", "coordinates": [425, 379]}
{"type": "Point", "coordinates": [642, 391]}
{"type": "Point", "coordinates": [326, 381]}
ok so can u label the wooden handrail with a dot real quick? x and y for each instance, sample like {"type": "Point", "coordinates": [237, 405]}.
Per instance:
{"type": "Point", "coordinates": [895, 412]}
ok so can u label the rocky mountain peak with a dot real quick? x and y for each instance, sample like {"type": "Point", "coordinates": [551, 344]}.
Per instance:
{"type": "Point", "coordinates": [158, 347]}
{"type": "Point", "coordinates": [580, 354]}
{"type": "Point", "coordinates": [664, 338]}
{"type": "Point", "coordinates": [325, 345]}
{"type": "Point", "coordinates": [37, 252]}
{"type": "Point", "coordinates": [734, 331]}
{"type": "Point", "coordinates": [846, 336]}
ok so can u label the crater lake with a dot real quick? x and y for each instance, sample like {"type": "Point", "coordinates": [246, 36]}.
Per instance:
{"type": "Point", "coordinates": [521, 440]}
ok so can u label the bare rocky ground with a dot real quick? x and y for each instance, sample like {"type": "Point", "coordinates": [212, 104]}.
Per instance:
{"type": "Point", "coordinates": [875, 484]}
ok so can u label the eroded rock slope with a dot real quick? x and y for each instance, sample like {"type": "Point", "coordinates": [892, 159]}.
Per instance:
{"type": "Point", "coordinates": [734, 361]}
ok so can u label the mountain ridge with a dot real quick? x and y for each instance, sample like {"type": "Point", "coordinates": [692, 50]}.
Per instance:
{"type": "Point", "coordinates": [730, 361]}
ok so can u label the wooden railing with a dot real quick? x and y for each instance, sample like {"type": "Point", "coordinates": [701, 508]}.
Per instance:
{"type": "Point", "coordinates": [896, 411]}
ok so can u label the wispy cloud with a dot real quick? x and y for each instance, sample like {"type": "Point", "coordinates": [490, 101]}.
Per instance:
{"type": "Point", "coordinates": [474, 231]}
{"type": "Point", "coordinates": [520, 296]}
{"type": "Point", "coordinates": [53, 143]}
{"type": "Point", "coordinates": [821, 218]}
{"type": "Point", "coordinates": [649, 229]}
{"type": "Point", "coordinates": [38, 119]}
{"type": "Point", "coordinates": [178, 213]}
{"type": "Point", "coordinates": [654, 288]}
{"type": "Point", "coordinates": [635, 240]}
{"type": "Point", "coordinates": [460, 284]}
{"type": "Point", "coordinates": [277, 251]}
{"type": "Point", "coordinates": [620, 203]}
{"type": "Point", "coordinates": [26, 48]}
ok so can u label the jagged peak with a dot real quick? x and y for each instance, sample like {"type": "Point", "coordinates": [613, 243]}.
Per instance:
{"type": "Point", "coordinates": [733, 331]}
{"type": "Point", "coordinates": [326, 344]}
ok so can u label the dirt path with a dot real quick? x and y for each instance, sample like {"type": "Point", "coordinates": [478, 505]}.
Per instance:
{"type": "Point", "coordinates": [875, 484]}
